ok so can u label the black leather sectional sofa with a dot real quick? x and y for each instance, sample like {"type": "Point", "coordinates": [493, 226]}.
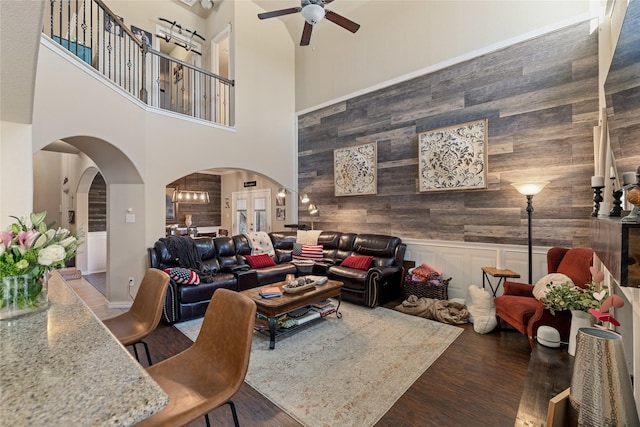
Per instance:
{"type": "Point", "coordinates": [223, 264]}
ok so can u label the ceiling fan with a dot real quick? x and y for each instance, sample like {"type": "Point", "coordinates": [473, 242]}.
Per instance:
{"type": "Point", "coordinates": [313, 11]}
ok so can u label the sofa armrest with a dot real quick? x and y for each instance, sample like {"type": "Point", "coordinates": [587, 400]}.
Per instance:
{"type": "Point", "coordinates": [247, 279]}
{"type": "Point", "coordinates": [518, 289]}
{"type": "Point", "coordinates": [380, 282]}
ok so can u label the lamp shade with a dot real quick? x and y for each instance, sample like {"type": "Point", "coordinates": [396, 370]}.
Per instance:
{"type": "Point", "coordinates": [282, 192]}
{"type": "Point", "coordinates": [530, 188]}
{"type": "Point", "coordinates": [304, 198]}
{"type": "Point", "coordinates": [313, 209]}
{"type": "Point", "coordinates": [601, 393]}
{"type": "Point", "coordinates": [313, 13]}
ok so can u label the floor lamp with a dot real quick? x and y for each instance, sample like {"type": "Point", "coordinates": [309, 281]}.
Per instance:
{"type": "Point", "coordinates": [530, 189]}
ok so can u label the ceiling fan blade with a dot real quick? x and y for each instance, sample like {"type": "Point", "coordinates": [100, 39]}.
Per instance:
{"type": "Point", "coordinates": [280, 12]}
{"type": "Point", "coordinates": [340, 20]}
{"type": "Point", "coordinates": [306, 34]}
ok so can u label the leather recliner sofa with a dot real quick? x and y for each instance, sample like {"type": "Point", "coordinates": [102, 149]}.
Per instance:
{"type": "Point", "coordinates": [223, 265]}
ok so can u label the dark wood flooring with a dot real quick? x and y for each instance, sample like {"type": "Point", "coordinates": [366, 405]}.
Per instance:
{"type": "Point", "coordinates": [478, 381]}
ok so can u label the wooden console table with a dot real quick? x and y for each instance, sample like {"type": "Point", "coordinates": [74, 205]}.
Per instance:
{"type": "Point", "coordinates": [502, 275]}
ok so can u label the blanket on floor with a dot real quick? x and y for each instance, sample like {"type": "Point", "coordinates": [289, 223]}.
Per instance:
{"type": "Point", "coordinates": [443, 311]}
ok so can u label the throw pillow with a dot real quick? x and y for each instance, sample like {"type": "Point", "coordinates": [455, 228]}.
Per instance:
{"type": "Point", "coordinates": [482, 313]}
{"type": "Point", "coordinates": [302, 251]}
{"type": "Point", "coordinates": [308, 237]}
{"type": "Point", "coordinates": [359, 262]}
{"type": "Point", "coordinates": [554, 279]}
{"type": "Point", "coordinates": [183, 276]}
{"type": "Point", "coordinates": [260, 261]}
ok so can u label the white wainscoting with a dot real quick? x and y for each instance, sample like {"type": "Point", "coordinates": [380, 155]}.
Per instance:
{"type": "Point", "coordinates": [96, 247]}
{"type": "Point", "coordinates": [462, 261]}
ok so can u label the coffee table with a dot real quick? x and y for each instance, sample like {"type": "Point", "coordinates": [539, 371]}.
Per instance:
{"type": "Point", "coordinates": [272, 308]}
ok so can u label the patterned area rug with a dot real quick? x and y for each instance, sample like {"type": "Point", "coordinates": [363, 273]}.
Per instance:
{"type": "Point", "coordinates": [348, 371]}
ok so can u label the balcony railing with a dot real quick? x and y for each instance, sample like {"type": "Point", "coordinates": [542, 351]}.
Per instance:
{"type": "Point", "coordinates": [89, 30]}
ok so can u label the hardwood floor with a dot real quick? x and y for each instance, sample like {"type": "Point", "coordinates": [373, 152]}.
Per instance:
{"type": "Point", "coordinates": [478, 381]}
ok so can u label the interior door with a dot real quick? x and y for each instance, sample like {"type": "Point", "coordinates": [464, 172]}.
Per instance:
{"type": "Point", "coordinates": [251, 211]}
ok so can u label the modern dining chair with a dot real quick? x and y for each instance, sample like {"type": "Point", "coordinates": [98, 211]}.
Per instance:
{"type": "Point", "coordinates": [134, 325]}
{"type": "Point", "coordinates": [210, 372]}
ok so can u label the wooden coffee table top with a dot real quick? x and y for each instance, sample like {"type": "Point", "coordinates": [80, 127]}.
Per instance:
{"type": "Point", "coordinates": [272, 307]}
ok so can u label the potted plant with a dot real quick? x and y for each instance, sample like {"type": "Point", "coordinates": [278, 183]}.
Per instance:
{"type": "Point", "coordinates": [567, 296]}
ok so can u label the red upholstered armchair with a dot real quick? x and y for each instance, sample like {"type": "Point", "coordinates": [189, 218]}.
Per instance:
{"type": "Point", "coordinates": [518, 307]}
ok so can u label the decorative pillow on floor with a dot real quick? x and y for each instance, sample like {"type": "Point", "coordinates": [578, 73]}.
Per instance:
{"type": "Point", "coordinates": [260, 261]}
{"type": "Point", "coordinates": [302, 251]}
{"type": "Point", "coordinates": [183, 276]}
{"type": "Point", "coordinates": [553, 279]}
{"type": "Point", "coordinates": [482, 313]}
{"type": "Point", "coordinates": [359, 262]}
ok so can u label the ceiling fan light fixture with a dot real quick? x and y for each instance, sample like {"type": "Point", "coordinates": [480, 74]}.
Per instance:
{"type": "Point", "coordinates": [313, 13]}
{"type": "Point", "coordinates": [206, 4]}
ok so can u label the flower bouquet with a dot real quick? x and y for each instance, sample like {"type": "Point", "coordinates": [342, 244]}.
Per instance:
{"type": "Point", "coordinates": [28, 250]}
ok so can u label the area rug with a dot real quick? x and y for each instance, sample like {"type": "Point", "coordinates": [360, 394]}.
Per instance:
{"type": "Point", "coordinates": [348, 371]}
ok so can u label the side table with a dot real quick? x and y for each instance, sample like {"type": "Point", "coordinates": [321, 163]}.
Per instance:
{"type": "Point", "coordinates": [501, 275]}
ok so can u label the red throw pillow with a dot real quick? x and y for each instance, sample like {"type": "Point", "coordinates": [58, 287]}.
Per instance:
{"type": "Point", "coordinates": [359, 262]}
{"type": "Point", "coordinates": [183, 276]}
{"type": "Point", "coordinates": [260, 261]}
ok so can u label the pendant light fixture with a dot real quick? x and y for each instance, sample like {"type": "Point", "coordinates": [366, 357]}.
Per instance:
{"type": "Point", "coordinates": [190, 196]}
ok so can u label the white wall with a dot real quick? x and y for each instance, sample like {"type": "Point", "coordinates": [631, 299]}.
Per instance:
{"type": "Point", "coordinates": [463, 262]}
{"type": "Point", "coordinates": [397, 38]}
{"type": "Point", "coordinates": [139, 149]}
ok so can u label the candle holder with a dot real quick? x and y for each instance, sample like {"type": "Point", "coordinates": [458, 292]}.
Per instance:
{"type": "Point", "coordinates": [597, 198]}
{"type": "Point", "coordinates": [617, 204]}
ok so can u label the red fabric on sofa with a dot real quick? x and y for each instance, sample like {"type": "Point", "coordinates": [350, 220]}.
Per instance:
{"type": "Point", "coordinates": [518, 307]}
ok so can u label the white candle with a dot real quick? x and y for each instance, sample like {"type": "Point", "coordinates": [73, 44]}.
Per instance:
{"type": "Point", "coordinates": [597, 181]}
{"type": "Point", "coordinates": [628, 178]}
{"type": "Point", "coordinates": [501, 259]}
{"type": "Point", "coordinates": [612, 173]}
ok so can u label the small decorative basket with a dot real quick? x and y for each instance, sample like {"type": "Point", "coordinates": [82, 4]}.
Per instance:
{"type": "Point", "coordinates": [434, 288]}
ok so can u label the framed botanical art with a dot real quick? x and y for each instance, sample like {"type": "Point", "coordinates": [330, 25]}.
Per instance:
{"type": "Point", "coordinates": [453, 157]}
{"type": "Point", "coordinates": [355, 170]}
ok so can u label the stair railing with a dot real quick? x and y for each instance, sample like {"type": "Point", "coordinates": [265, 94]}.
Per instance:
{"type": "Point", "coordinates": [93, 33]}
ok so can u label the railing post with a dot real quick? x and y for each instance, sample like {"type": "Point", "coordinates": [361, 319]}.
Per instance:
{"type": "Point", "coordinates": [143, 77]}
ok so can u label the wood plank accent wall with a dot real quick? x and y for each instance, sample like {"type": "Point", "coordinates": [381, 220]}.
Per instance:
{"type": "Point", "coordinates": [203, 215]}
{"type": "Point", "coordinates": [541, 101]}
{"type": "Point", "coordinates": [98, 204]}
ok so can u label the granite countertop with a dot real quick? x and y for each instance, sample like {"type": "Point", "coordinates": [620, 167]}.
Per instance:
{"type": "Point", "coordinates": [62, 367]}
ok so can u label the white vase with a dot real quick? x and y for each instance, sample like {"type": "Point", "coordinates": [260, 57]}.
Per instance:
{"type": "Point", "coordinates": [579, 319]}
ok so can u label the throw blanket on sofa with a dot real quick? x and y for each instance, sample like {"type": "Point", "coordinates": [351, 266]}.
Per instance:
{"type": "Point", "coordinates": [260, 243]}
{"type": "Point", "coordinates": [185, 250]}
{"type": "Point", "coordinates": [443, 311]}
